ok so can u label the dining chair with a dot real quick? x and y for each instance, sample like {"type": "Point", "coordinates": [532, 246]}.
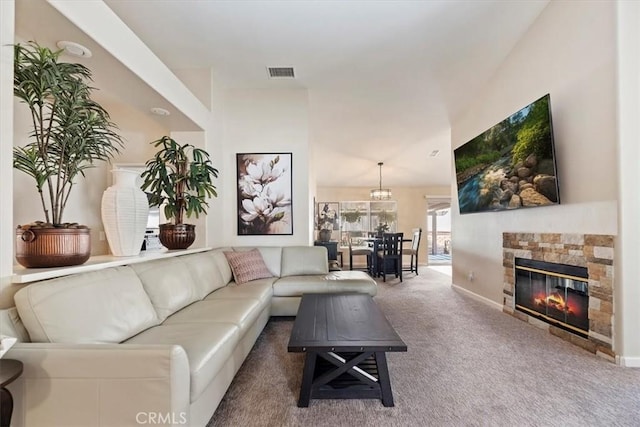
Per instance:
{"type": "Point", "coordinates": [359, 251]}
{"type": "Point", "coordinates": [389, 256]}
{"type": "Point", "coordinates": [413, 251]}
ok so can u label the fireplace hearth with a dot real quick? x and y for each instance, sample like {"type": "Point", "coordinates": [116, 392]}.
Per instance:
{"type": "Point", "coordinates": [554, 293]}
{"type": "Point", "coordinates": [557, 295]}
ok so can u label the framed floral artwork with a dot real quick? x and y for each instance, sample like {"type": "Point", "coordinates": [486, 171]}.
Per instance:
{"type": "Point", "coordinates": [328, 216]}
{"type": "Point", "coordinates": [264, 193]}
{"type": "Point", "coordinates": [327, 220]}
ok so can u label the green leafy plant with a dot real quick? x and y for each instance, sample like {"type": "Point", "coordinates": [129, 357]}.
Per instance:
{"type": "Point", "coordinates": [534, 135]}
{"type": "Point", "coordinates": [382, 228]}
{"type": "Point", "coordinates": [181, 178]}
{"type": "Point", "coordinates": [70, 130]}
{"type": "Point", "coordinates": [352, 216]}
{"type": "Point", "coordinates": [484, 159]}
{"type": "Point", "coordinates": [533, 139]}
{"type": "Point", "coordinates": [384, 219]}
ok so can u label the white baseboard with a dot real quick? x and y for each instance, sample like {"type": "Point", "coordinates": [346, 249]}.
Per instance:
{"type": "Point", "coordinates": [628, 362]}
{"type": "Point", "coordinates": [477, 297]}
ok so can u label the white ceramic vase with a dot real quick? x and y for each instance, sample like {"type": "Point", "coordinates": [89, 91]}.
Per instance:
{"type": "Point", "coordinates": [125, 211]}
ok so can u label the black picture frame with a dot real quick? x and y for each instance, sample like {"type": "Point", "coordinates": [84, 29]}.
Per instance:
{"type": "Point", "coordinates": [327, 216]}
{"type": "Point", "coordinates": [264, 185]}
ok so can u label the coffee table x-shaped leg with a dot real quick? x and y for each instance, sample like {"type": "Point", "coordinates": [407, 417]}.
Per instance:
{"type": "Point", "coordinates": [368, 381]}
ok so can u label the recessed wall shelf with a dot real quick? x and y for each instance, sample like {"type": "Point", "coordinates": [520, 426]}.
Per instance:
{"type": "Point", "coordinates": [27, 275]}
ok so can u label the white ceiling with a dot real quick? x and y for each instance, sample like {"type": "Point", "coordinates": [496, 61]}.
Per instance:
{"type": "Point", "coordinates": [384, 78]}
{"type": "Point", "coordinates": [38, 21]}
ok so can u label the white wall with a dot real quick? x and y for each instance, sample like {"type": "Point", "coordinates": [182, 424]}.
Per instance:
{"type": "Point", "coordinates": [214, 146]}
{"type": "Point", "coordinates": [104, 26]}
{"type": "Point", "coordinates": [7, 13]}
{"type": "Point", "coordinates": [136, 129]}
{"type": "Point", "coordinates": [198, 80]}
{"type": "Point", "coordinates": [628, 244]}
{"type": "Point", "coordinates": [266, 121]}
{"type": "Point", "coordinates": [568, 52]}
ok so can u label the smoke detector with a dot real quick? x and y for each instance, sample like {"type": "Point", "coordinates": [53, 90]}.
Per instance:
{"type": "Point", "coordinates": [159, 111]}
{"type": "Point", "coordinates": [281, 73]}
{"type": "Point", "coordinates": [74, 49]}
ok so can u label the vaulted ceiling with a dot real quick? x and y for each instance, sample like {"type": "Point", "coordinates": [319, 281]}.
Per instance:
{"type": "Point", "coordinates": [384, 78]}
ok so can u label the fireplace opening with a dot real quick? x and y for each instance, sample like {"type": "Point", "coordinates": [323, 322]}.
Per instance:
{"type": "Point", "coordinates": [555, 293]}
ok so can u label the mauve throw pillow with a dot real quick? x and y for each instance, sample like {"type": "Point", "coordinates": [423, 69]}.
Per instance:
{"type": "Point", "coordinates": [247, 266]}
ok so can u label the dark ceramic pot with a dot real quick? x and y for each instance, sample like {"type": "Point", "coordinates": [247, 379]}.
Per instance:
{"type": "Point", "coordinates": [177, 236]}
{"type": "Point", "coordinates": [324, 235]}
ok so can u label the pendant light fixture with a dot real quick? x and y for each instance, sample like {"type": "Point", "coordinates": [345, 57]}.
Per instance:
{"type": "Point", "coordinates": [380, 193]}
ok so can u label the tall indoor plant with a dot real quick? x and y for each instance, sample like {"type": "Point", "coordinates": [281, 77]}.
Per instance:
{"type": "Point", "coordinates": [70, 133]}
{"type": "Point", "coordinates": [181, 178]}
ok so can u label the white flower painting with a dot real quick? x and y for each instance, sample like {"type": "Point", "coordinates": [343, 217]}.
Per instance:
{"type": "Point", "coordinates": [264, 194]}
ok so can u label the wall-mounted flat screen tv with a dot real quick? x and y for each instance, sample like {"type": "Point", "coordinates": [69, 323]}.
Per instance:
{"type": "Point", "coordinates": [511, 165]}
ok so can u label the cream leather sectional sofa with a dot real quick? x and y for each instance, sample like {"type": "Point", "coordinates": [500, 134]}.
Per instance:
{"type": "Point", "coordinates": [155, 343]}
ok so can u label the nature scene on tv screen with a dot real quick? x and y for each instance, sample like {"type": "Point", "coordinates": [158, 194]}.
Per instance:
{"type": "Point", "coordinates": [511, 165]}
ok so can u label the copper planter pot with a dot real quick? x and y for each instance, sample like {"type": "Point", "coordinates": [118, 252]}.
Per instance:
{"type": "Point", "coordinates": [177, 236]}
{"type": "Point", "coordinates": [52, 247]}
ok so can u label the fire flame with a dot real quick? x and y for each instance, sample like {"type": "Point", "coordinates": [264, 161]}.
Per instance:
{"type": "Point", "coordinates": [554, 300]}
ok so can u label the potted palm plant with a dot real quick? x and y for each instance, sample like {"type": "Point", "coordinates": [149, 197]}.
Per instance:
{"type": "Point", "coordinates": [71, 132]}
{"type": "Point", "coordinates": [180, 177]}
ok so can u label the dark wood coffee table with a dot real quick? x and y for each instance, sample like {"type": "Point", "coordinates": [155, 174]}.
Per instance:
{"type": "Point", "coordinates": [345, 338]}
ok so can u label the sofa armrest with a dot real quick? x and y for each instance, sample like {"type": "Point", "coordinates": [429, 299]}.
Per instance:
{"type": "Point", "coordinates": [101, 384]}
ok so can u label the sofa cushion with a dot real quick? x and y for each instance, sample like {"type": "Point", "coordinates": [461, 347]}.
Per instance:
{"type": "Point", "coordinates": [106, 306]}
{"type": "Point", "coordinates": [271, 255]}
{"type": "Point", "coordinates": [261, 289]}
{"type": "Point", "coordinates": [223, 264]}
{"type": "Point", "coordinates": [334, 282]}
{"type": "Point", "coordinates": [247, 266]}
{"type": "Point", "coordinates": [208, 346]}
{"type": "Point", "coordinates": [205, 273]}
{"type": "Point", "coordinates": [168, 283]}
{"type": "Point", "coordinates": [303, 260]}
{"type": "Point", "coordinates": [240, 312]}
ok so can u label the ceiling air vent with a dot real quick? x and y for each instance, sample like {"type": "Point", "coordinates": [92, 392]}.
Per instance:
{"type": "Point", "coordinates": [281, 73]}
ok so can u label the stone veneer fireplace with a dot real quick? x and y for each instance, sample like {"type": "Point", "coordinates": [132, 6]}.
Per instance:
{"type": "Point", "coordinates": [590, 251]}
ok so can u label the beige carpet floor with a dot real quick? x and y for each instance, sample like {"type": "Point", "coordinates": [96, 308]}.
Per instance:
{"type": "Point", "coordinates": [467, 365]}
